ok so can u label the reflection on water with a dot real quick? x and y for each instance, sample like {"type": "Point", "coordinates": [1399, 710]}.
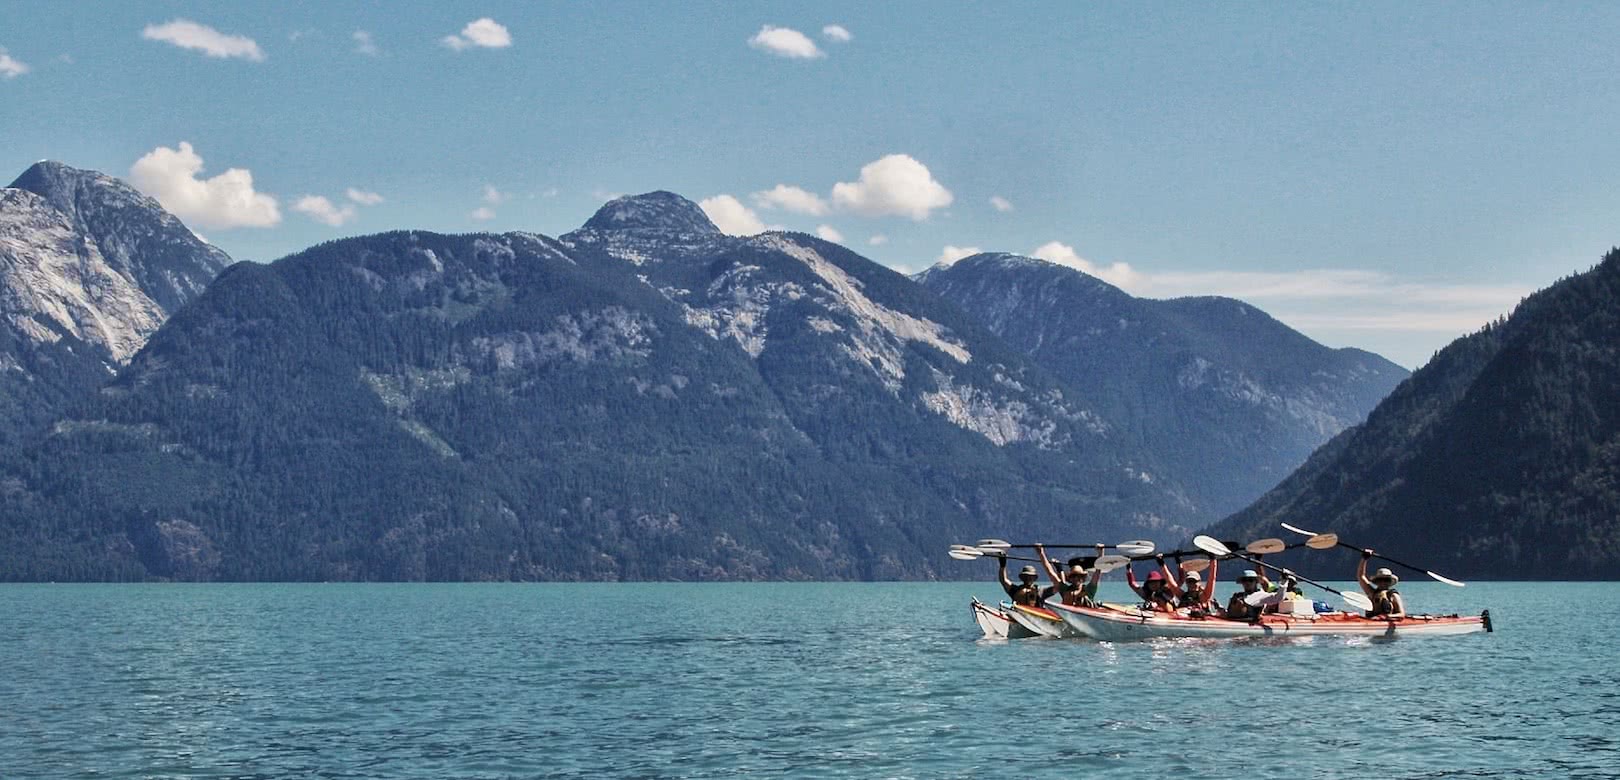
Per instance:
{"type": "Point", "coordinates": [808, 680]}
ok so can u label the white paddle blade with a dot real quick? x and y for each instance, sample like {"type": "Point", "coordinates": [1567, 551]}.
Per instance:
{"type": "Point", "coordinates": [966, 555]}
{"type": "Point", "coordinates": [1259, 597]}
{"type": "Point", "coordinates": [1266, 546]}
{"type": "Point", "coordinates": [1211, 545]}
{"type": "Point", "coordinates": [994, 544]}
{"type": "Point", "coordinates": [1196, 564]}
{"type": "Point", "coordinates": [1296, 529]}
{"type": "Point", "coordinates": [1108, 563]}
{"type": "Point", "coordinates": [1323, 542]}
{"type": "Point", "coordinates": [1447, 580]}
{"type": "Point", "coordinates": [1357, 600]}
{"type": "Point", "coordinates": [1134, 548]}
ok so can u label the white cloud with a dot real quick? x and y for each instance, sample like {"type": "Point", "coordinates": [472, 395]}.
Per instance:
{"type": "Point", "coordinates": [829, 233]}
{"type": "Point", "coordinates": [951, 254]}
{"type": "Point", "coordinates": [482, 214]}
{"type": "Point", "coordinates": [225, 201]}
{"type": "Point", "coordinates": [836, 33]}
{"type": "Point", "coordinates": [11, 67]}
{"type": "Point", "coordinates": [785, 42]}
{"type": "Point", "coordinates": [318, 208]}
{"type": "Point", "coordinates": [1001, 204]}
{"type": "Point", "coordinates": [790, 198]}
{"type": "Point", "coordinates": [484, 33]}
{"type": "Point", "coordinates": [492, 196]}
{"type": "Point", "coordinates": [1118, 274]}
{"type": "Point", "coordinates": [731, 216]}
{"type": "Point", "coordinates": [364, 44]}
{"type": "Point", "coordinates": [200, 37]}
{"type": "Point", "coordinates": [878, 240]}
{"type": "Point", "coordinates": [363, 197]}
{"type": "Point", "coordinates": [896, 184]}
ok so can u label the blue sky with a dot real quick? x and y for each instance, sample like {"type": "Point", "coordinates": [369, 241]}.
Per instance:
{"type": "Point", "coordinates": [1383, 175]}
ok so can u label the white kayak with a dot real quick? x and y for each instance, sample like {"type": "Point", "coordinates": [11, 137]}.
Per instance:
{"type": "Point", "coordinates": [1118, 622]}
{"type": "Point", "coordinates": [1039, 621]}
{"type": "Point", "coordinates": [992, 621]}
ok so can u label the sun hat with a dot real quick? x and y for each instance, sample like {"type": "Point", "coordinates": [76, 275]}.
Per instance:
{"type": "Point", "coordinates": [1249, 574]}
{"type": "Point", "coordinates": [1192, 576]}
{"type": "Point", "coordinates": [1154, 575]}
{"type": "Point", "coordinates": [1027, 571]}
{"type": "Point", "coordinates": [1385, 574]}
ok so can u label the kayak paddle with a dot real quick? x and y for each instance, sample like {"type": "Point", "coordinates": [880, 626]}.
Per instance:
{"type": "Point", "coordinates": [1213, 546]}
{"type": "Point", "coordinates": [1136, 547]}
{"type": "Point", "coordinates": [1432, 575]}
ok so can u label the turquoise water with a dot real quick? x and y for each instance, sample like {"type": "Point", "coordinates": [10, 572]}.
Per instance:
{"type": "Point", "coordinates": [797, 680]}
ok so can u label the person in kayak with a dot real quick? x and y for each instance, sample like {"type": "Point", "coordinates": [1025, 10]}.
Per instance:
{"type": "Point", "coordinates": [1237, 607]}
{"type": "Point", "coordinates": [1387, 601]}
{"type": "Point", "coordinates": [1155, 592]}
{"type": "Point", "coordinates": [1192, 595]}
{"type": "Point", "coordinates": [1077, 588]}
{"type": "Point", "coordinates": [1025, 591]}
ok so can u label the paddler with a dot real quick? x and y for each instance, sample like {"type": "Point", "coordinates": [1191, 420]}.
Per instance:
{"type": "Point", "coordinates": [1237, 607]}
{"type": "Point", "coordinates": [1155, 592]}
{"type": "Point", "coordinates": [1077, 588]}
{"type": "Point", "coordinates": [1026, 591]}
{"type": "Point", "coordinates": [1192, 595]}
{"type": "Point", "coordinates": [1387, 601]}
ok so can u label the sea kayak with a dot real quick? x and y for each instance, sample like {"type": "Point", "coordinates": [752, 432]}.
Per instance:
{"type": "Point", "coordinates": [1039, 621]}
{"type": "Point", "coordinates": [992, 621]}
{"type": "Point", "coordinates": [1118, 622]}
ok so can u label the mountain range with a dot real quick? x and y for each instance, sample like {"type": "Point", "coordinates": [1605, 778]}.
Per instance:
{"type": "Point", "coordinates": [644, 397]}
{"type": "Point", "coordinates": [1498, 459]}
{"type": "Point", "coordinates": [1229, 399]}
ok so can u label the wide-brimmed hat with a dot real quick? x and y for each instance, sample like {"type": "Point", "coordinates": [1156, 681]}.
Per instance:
{"type": "Point", "coordinates": [1248, 574]}
{"type": "Point", "coordinates": [1385, 574]}
{"type": "Point", "coordinates": [1028, 571]}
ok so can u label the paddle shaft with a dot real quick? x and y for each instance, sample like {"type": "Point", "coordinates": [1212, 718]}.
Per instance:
{"type": "Point", "coordinates": [1403, 564]}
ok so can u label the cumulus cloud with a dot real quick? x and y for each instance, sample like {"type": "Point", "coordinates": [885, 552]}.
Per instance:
{"type": "Point", "coordinates": [225, 201]}
{"type": "Point", "coordinates": [482, 214]}
{"type": "Point", "coordinates": [492, 196]}
{"type": "Point", "coordinates": [896, 184]}
{"type": "Point", "coordinates": [1001, 204]}
{"type": "Point", "coordinates": [1117, 274]}
{"type": "Point", "coordinates": [878, 240]}
{"type": "Point", "coordinates": [11, 67]}
{"type": "Point", "coordinates": [785, 42]}
{"type": "Point", "coordinates": [363, 44]}
{"type": "Point", "coordinates": [483, 33]}
{"type": "Point", "coordinates": [829, 233]}
{"type": "Point", "coordinates": [951, 254]}
{"type": "Point", "coordinates": [790, 198]}
{"type": "Point", "coordinates": [318, 208]}
{"type": "Point", "coordinates": [200, 37]}
{"type": "Point", "coordinates": [363, 197]}
{"type": "Point", "coordinates": [836, 33]}
{"type": "Point", "coordinates": [731, 216]}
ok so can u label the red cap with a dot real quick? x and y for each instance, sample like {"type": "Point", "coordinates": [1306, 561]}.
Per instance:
{"type": "Point", "coordinates": [1155, 575]}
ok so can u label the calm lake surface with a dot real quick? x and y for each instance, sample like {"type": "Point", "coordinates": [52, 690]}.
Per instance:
{"type": "Point", "coordinates": [797, 680]}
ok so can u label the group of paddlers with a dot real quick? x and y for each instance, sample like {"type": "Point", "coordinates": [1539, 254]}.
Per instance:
{"type": "Point", "coordinates": [1189, 594]}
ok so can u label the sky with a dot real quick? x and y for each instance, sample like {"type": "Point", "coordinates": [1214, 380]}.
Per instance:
{"type": "Point", "coordinates": [1387, 176]}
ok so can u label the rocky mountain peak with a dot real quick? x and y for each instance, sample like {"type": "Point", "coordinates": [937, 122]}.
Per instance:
{"type": "Point", "coordinates": [654, 211]}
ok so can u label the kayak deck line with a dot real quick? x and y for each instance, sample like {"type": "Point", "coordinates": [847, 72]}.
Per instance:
{"type": "Point", "coordinates": [1114, 622]}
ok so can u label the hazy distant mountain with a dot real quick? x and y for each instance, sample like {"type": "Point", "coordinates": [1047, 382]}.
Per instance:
{"type": "Point", "coordinates": [1228, 399]}
{"type": "Point", "coordinates": [1498, 459]}
{"type": "Point", "coordinates": [642, 398]}
{"type": "Point", "coordinates": [89, 268]}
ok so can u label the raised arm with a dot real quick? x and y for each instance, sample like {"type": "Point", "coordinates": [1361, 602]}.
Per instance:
{"type": "Point", "coordinates": [1361, 574]}
{"type": "Point", "coordinates": [1051, 571]}
{"type": "Point", "coordinates": [1130, 579]}
{"type": "Point", "coordinates": [1265, 582]}
{"type": "Point", "coordinates": [1210, 582]}
{"type": "Point", "coordinates": [1172, 580]}
{"type": "Point", "coordinates": [1001, 570]}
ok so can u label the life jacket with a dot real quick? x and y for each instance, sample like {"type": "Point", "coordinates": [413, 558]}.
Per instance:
{"type": "Point", "coordinates": [1027, 595]}
{"type": "Point", "coordinates": [1074, 593]}
{"type": "Point", "coordinates": [1383, 602]}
